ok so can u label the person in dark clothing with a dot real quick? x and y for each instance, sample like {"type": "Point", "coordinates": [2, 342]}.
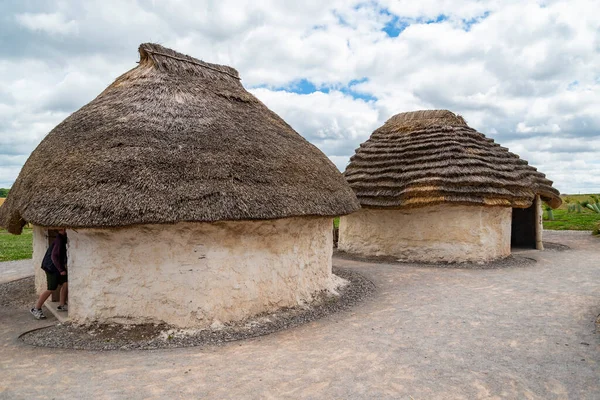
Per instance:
{"type": "Point", "coordinates": [55, 266]}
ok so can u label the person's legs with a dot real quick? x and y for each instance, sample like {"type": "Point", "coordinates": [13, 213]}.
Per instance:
{"type": "Point", "coordinates": [42, 299]}
{"type": "Point", "coordinates": [52, 281]}
{"type": "Point", "coordinates": [37, 310]}
{"type": "Point", "coordinates": [63, 294]}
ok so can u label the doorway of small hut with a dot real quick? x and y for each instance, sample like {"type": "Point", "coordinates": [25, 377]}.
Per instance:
{"type": "Point", "coordinates": [51, 236]}
{"type": "Point", "coordinates": [524, 228]}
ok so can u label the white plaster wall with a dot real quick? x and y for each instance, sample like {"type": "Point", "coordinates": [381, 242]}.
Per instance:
{"type": "Point", "coordinates": [442, 233]}
{"type": "Point", "coordinates": [40, 244]}
{"type": "Point", "coordinates": [193, 274]}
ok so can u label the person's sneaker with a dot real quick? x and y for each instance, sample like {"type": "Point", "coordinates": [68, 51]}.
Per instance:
{"type": "Point", "coordinates": [37, 313]}
{"type": "Point", "coordinates": [63, 308]}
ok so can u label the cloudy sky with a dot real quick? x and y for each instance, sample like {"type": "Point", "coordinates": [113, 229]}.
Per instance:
{"type": "Point", "coordinates": [526, 73]}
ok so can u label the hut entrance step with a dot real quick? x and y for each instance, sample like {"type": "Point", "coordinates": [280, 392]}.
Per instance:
{"type": "Point", "coordinates": [61, 316]}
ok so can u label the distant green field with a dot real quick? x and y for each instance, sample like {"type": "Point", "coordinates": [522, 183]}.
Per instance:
{"type": "Point", "coordinates": [587, 220]}
{"type": "Point", "coordinates": [575, 198]}
{"type": "Point", "coordinates": [16, 247]}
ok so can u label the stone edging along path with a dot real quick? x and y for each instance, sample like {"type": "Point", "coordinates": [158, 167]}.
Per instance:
{"type": "Point", "coordinates": [156, 336]}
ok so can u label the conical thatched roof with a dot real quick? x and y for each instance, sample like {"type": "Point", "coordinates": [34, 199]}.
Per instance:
{"type": "Point", "coordinates": [431, 157]}
{"type": "Point", "coordinates": [174, 139]}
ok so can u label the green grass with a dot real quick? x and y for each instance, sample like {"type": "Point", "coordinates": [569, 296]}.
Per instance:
{"type": "Point", "coordinates": [16, 247]}
{"type": "Point", "coordinates": [336, 222]}
{"type": "Point", "coordinates": [585, 221]}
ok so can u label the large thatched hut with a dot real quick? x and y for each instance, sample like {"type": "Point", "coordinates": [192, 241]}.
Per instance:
{"type": "Point", "coordinates": [433, 189]}
{"type": "Point", "coordinates": [186, 200]}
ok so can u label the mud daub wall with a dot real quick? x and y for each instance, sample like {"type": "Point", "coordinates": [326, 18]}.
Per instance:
{"type": "Point", "coordinates": [442, 233]}
{"type": "Point", "coordinates": [193, 274]}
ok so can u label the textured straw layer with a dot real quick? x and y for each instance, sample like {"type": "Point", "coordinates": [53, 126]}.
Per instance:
{"type": "Point", "coordinates": [430, 157]}
{"type": "Point", "coordinates": [174, 139]}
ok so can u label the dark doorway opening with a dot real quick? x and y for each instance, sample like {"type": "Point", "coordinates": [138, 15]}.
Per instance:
{"type": "Point", "coordinates": [51, 236]}
{"type": "Point", "coordinates": [523, 230]}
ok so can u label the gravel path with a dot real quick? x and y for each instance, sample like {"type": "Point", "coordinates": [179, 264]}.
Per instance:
{"type": "Point", "coordinates": [18, 293]}
{"type": "Point", "coordinates": [426, 333]}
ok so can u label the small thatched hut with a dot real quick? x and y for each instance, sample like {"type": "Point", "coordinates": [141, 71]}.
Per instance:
{"type": "Point", "coordinates": [186, 200]}
{"type": "Point", "coordinates": [433, 189]}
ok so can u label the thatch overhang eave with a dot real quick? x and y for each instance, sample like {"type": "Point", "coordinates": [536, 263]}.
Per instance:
{"type": "Point", "coordinates": [134, 224]}
{"type": "Point", "coordinates": [424, 190]}
{"type": "Point", "coordinates": [441, 201]}
{"type": "Point", "coordinates": [551, 197]}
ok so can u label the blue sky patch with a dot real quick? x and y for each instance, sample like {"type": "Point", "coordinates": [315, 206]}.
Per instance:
{"type": "Point", "coordinates": [573, 85]}
{"type": "Point", "coordinates": [304, 86]}
{"type": "Point", "coordinates": [396, 25]}
{"type": "Point", "coordinates": [349, 90]}
{"type": "Point", "coordinates": [436, 20]}
{"type": "Point", "coordinates": [468, 23]}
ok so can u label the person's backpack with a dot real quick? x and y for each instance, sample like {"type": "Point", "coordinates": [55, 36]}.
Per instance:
{"type": "Point", "coordinates": [47, 264]}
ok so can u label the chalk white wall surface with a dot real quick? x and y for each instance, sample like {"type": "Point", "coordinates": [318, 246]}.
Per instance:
{"type": "Point", "coordinates": [442, 233]}
{"type": "Point", "coordinates": [194, 274]}
{"type": "Point", "coordinates": [40, 244]}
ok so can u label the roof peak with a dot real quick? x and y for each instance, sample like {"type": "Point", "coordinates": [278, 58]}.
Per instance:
{"type": "Point", "coordinates": [425, 118]}
{"type": "Point", "coordinates": [164, 58]}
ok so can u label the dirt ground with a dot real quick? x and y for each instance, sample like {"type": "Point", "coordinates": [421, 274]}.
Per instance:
{"type": "Point", "coordinates": [526, 332]}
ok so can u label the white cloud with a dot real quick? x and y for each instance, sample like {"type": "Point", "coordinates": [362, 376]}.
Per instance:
{"type": "Point", "coordinates": [53, 23]}
{"type": "Point", "coordinates": [334, 122]}
{"type": "Point", "coordinates": [523, 128]}
{"type": "Point", "coordinates": [570, 163]}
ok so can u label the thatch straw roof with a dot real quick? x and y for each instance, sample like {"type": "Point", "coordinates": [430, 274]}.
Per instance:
{"type": "Point", "coordinates": [431, 157]}
{"type": "Point", "coordinates": [174, 139]}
